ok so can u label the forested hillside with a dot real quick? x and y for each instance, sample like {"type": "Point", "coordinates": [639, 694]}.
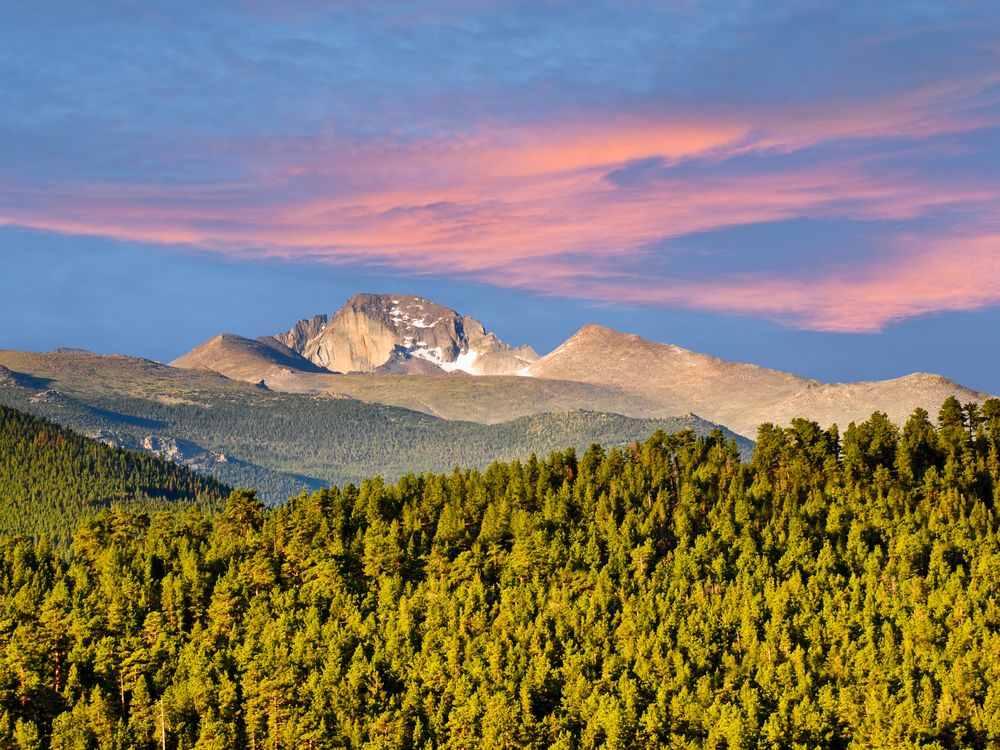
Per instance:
{"type": "Point", "coordinates": [836, 591]}
{"type": "Point", "coordinates": [282, 444]}
{"type": "Point", "coordinates": [51, 477]}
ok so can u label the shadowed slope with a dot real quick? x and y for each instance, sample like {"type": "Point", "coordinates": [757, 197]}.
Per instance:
{"type": "Point", "coordinates": [245, 359]}
{"type": "Point", "coordinates": [51, 477]}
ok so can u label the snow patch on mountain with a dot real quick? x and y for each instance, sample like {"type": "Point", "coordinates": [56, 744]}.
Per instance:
{"type": "Point", "coordinates": [466, 361]}
{"type": "Point", "coordinates": [373, 331]}
{"type": "Point", "coordinates": [401, 318]}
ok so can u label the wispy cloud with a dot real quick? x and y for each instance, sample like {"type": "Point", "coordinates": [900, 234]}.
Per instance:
{"type": "Point", "coordinates": [563, 195]}
{"type": "Point", "coordinates": [921, 276]}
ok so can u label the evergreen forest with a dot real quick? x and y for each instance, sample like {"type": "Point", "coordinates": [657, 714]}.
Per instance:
{"type": "Point", "coordinates": [837, 590]}
{"type": "Point", "coordinates": [51, 477]}
{"type": "Point", "coordinates": [282, 444]}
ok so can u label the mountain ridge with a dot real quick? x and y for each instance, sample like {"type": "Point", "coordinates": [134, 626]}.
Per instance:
{"type": "Point", "coordinates": [286, 443]}
{"type": "Point", "coordinates": [241, 358]}
{"type": "Point", "coordinates": [51, 476]}
{"type": "Point", "coordinates": [739, 395]}
{"type": "Point", "coordinates": [388, 336]}
{"type": "Point", "coordinates": [374, 330]}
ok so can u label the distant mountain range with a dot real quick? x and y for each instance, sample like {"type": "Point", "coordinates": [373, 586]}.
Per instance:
{"type": "Point", "coordinates": [371, 333]}
{"type": "Point", "coordinates": [740, 396]}
{"type": "Point", "coordinates": [384, 336]}
{"type": "Point", "coordinates": [285, 443]}
{"type": "Point", "coordinates": [392, 384]}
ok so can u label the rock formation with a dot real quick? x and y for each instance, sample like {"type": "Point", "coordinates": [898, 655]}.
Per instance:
{"type": "Point", "coordinates": [393, 332]}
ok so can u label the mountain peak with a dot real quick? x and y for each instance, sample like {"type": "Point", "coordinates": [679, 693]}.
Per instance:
{"type": "Point", "coordinates": [593, 333]}
{"type": "Point", "coordinates": [598, 340]}
{"type": "Point", "coordinates": [594, 330]}
{"type": "Point", "coordinates": [680, 379]}
{"type": "Point", "coordinates": [400, 303]}
{"type": "Point", "coordinates": [402, 333]}
{"type": "Point", "coordinates": [244, 359]}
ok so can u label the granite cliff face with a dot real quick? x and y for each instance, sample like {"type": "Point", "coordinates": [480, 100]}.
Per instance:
{"type": "Point", "coordinates": [401, 333]}
{"type": "Point", "coordinates": [302, 332]}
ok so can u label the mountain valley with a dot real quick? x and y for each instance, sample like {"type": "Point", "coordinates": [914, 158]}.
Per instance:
{"type": "Point", "coordinates": [287, 443]}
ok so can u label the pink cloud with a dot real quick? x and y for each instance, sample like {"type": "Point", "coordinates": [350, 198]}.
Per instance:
{"type": "Point", "coordinates": [922, 276]}
{"type": "Point", "coordinates": [532, 206]}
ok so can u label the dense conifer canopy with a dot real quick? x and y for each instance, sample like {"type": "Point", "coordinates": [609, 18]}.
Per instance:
{"type": "Point", "coordinates": [51, 477]}
{"type": "Point", "coordinates": [839, 590]}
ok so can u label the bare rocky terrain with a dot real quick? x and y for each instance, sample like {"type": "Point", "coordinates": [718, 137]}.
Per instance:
{"type": "Point", "coordinates": [246, 359]}
{"type": "Point", "coordinates": [374, 333]}
{"type": "Point", "coordinates": [740, 396]}
{"type": "Point", "coordinates": [407, 351]}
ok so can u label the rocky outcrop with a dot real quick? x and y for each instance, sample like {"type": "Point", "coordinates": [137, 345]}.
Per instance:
{"type": "Point", "coordinates": [387, 333]}
{"type": "Point", "coordinates": [300, 334]}
{"type": "Point", "coordinates": [50, 396]}
{"type": "Point", "coordinates": [12, 379]}
{"type": "Point", "coordinates": [182, 452]}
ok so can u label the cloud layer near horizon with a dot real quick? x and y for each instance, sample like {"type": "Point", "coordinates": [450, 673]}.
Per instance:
{"type": "Point", "coordinates": [624, 152]}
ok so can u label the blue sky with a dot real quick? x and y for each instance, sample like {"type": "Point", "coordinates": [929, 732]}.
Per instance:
{"type": "Point", "coordinates": [807, 186]}
{"type": "Point", "coordinates": [114, 297]}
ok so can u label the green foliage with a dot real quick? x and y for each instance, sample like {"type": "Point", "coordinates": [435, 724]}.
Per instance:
{"type": "Point", "coordinates": [283, 444]}
{"type": "Point", "coordinates": [50, 478]}
{"type": "Point", "coordinates": [836, 591]}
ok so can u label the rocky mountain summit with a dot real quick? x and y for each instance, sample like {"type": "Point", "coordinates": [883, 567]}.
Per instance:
{"type": "Point", "coordinates": [399, 333]}
{"type": "Point", "coordinates": [381, 334]}
{"type": "Point", "coordinates": [397, 341]}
